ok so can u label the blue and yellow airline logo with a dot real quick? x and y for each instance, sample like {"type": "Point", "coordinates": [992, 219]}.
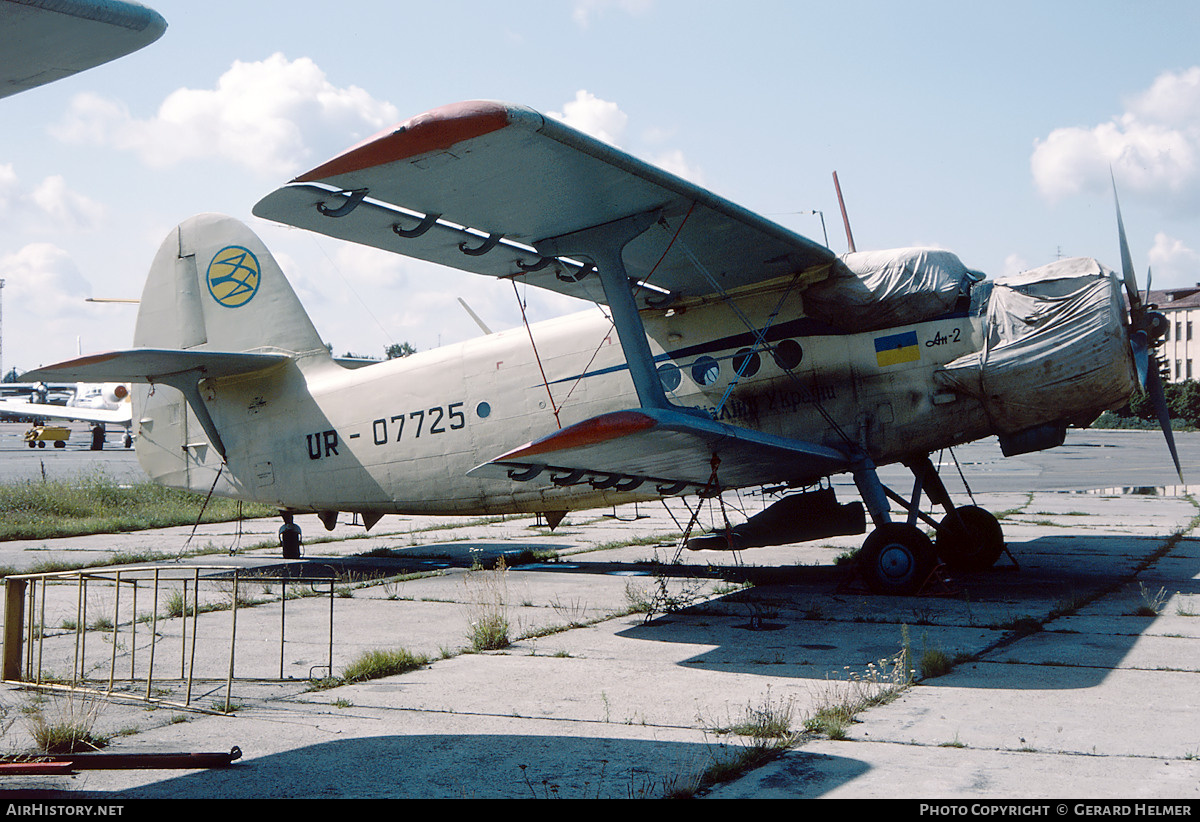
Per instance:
{"type": "Point", "coordinates": [233, 276]}
{"type": "Point", "coordinates": [895, 349]}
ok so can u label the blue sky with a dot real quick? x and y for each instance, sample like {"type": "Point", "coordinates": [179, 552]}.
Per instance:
{"type": "Point", "coordinates": [987, 129]}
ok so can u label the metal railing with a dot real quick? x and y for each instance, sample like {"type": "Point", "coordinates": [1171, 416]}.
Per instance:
{"type": "Point", "coordinates": [191, 607]}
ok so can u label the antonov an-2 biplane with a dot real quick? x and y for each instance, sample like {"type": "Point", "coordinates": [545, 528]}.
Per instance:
{"type": "Point", "coordinates": [728, 352]}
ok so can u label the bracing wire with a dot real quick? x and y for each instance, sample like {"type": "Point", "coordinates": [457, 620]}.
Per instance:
{"type": "Point", "coordinates": [536, 356]}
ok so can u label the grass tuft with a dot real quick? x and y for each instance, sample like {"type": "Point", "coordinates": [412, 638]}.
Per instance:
{"type": "Point", "coordinates": [375, 664]}
{"type": "Point", "coordinates": [934, 663]}
{"type": "Point", "coordinates": [487, 613]}
{"type": "Point", "coordinates": [64, 724]}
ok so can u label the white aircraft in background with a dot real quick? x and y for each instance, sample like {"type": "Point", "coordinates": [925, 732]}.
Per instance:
{"type": "Point", "coordinates": [728, 352]}
{"type": "Point", "coordinates": [99, 404]}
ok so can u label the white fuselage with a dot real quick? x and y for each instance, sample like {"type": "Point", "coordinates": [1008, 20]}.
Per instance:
{"type": "Point", "coordinates": [400, 436]}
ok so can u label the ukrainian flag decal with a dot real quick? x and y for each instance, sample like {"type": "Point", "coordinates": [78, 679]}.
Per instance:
{"type": "Point", "coordinates": [895, 349]}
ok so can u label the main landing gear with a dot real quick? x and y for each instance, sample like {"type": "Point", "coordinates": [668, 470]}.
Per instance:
{"type": "Point", "coordinates": [289, 537]}
{"type": "Point", "coordinates": [898, 558]}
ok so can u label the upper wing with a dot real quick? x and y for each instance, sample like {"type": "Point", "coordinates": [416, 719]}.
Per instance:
{"type": "Point", "coordinates": [478, 186]}
{"type": "Point", "coordinates": [123, 415]}
{"type": "Point", "coordinates": [46, 40]}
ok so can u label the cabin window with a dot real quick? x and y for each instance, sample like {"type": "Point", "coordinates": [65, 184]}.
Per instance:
{"type": "Point", "coordinates": [746, 362]}
{"type": "Point", "coordinates": [669, 374]}
{"type": "Point", "coordinates": [706, 370]}
{"type": "Point", "coordinates": [787, 354]}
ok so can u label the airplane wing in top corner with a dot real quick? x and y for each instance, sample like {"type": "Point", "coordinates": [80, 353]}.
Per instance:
{"type": "Point", "coordinates": [46, 40]}
{"type": "Point", "coordinates": [479, 185]}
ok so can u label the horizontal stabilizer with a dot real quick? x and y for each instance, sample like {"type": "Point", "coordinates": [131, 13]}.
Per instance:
{"type": "Point", "coordinates": [674, 450]}
{"type": "Point", "coordinates": [156, 365]}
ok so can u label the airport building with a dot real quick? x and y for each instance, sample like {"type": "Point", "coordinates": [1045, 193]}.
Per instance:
{"type": "Point", "coordinates": [1181, 344]}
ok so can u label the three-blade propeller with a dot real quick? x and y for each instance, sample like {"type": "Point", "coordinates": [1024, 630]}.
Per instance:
{"type": "Point", "coordinates": [1145, 326]}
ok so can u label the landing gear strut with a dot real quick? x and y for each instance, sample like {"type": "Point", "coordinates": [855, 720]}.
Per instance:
{"type": "Point", "coordinates": [289, 538]}
{"type": "Point", "coordinates": [897, 558]}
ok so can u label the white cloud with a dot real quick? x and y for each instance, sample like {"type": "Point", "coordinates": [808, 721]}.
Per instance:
{"type": "Point", "coordinates": [274, 116]}
{"type": "Point", "coordinates": [674, 162]}
{"type": "Point", "coordinates": [50, 205]}
{"type": "Point", "coordinates": [64, 206]}
{"type": "Point", "coordinates": [1013, 264]}
{"type": "Point", "coordinates": [605, 121]}
{"type": "Point", "coordinates": [45, 313]}
{"type": "Point", "coordinates": [1152, 148]}
{"type": "Point", "coordinates": [1173, 263]}
{"type": "Point", "coordinates": [591, 115]}
{"type": "Point", "coordinates": [45, 275]}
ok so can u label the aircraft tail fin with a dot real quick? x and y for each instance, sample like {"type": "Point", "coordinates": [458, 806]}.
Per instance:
{"type": "Point", "coordinates": [216, 306]}
{"type": "Point", "coordinates": [215, 286]}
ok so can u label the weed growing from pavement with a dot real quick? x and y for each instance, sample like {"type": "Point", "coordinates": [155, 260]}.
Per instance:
{"type": "Point", "coordinates": [487, 608]}
{"type": "Point", "coordinates": [770, 720]}
{"type": "Point", "coordinates": [838, 701]}
{"type": "Point", "coordinates": [374, 664]}
{"type": "Point", "coordinates": [934, 663]}
{"type": "Point", "coordinates": [660, 599]}
{"type": "Point", "coordinates": [64, 723]}
{"type": "Point", "coordinates": [1151, 602]}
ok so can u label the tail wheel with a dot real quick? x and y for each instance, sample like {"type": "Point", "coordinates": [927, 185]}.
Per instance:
{"type": "Point", "coordinates": [897, 559]}
{"type": "Point", "coordinates": [970, 539]}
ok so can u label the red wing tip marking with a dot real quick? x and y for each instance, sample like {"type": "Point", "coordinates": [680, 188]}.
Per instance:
{"type": "Point", "coordinates": [435, 130]}
{"type": "Point", "coordinates": [91, 359]}
{"type": "Point", "coordinates": [589, 432]}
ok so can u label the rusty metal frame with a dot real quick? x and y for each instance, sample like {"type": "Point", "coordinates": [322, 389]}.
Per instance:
{"type": "Point", "coordinates": [24, 626]}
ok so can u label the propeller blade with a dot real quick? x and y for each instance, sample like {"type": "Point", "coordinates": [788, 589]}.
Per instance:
{"type": "Point", "coordinates": [1131, 289]}
{"type": "Point", "coordinates": [1139, 341]}
{"type": "Point", "coordinates": [1158, 399]}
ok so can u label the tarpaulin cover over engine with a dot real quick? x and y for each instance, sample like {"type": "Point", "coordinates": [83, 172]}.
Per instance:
{"type": "Point", "coordinates": [1051, 334]}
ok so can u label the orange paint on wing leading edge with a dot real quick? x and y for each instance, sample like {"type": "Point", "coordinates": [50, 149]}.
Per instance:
{"type": "Point", "coordinates": [435, 130]}
{"type": "Point", "coordinates": [589, 432]}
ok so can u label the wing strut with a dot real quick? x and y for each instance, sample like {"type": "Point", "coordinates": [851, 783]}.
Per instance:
{"type": "Point", "coordinates": [604, 244]}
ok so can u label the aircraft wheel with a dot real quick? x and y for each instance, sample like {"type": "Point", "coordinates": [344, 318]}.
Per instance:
{"type": "Point", "coordinates": [970, 539]}
{"type": "Point", "coordinates": [289, 538]}
{"type": "Point", "coordinates": [896, 559]}
{"type": "Point", "coordinates": [41, 443]}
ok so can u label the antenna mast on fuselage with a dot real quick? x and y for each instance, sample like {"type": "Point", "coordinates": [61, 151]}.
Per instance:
{"type": "Point", "coordinates": [845, 219]}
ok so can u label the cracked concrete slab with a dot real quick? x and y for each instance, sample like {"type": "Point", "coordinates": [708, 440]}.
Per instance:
{"type": "Point", "coordinates": [1057, 688]}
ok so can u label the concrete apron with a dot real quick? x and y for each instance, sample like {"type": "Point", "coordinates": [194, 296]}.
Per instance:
{"type": "Point", "coordinates": [1097, 701]}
